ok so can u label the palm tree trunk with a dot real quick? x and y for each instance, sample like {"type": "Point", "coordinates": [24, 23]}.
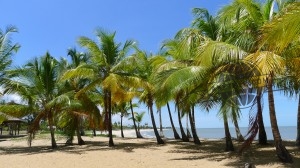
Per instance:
{"type": "Point", "coordinates": [262, 135]}
{"type": "Point", "coordinates": [183, 135]}
{"type": "Point", "coordinates": [239, 135]}
{"type": "Point", "coordinates": [111, 141]}
{"type": "Point", "coordinates": [78, 132]}
{"type": "Point", "coordinates": [50, 120]}
{"type": "Point", "coordinates": [150, 106]}
{"type": "Point", "coordinates": [138, 134]}
{"type": "Point", "coordinates": [229, 144]}
{"type": "Point", "coordinates": [298, 124]}
{"type": "Point", "coordinates": [281, 151]}
{"type": "Point", "coordinates": [188, 134]}
{"type": "Point", "coordinates": [193, 128]}
{"type": "Point", "coordinates": [176, 135]}
{"type": "Point", "coordinates": [161, 133]}
{"type": "Point", "coordinates": [122, 133]}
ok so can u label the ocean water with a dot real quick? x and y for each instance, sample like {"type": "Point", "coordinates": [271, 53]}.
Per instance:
{"type": "Point", "coordinates": [287, 132]}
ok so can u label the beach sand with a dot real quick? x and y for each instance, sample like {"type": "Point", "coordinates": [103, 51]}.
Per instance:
{"type": "Point", "coordinates": [135, 153]}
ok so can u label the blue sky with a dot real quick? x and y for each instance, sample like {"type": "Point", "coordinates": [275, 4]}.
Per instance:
{"type": "Point", "coordinates": [55, 25]}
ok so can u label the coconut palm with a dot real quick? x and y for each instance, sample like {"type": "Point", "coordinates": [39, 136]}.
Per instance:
{"type": "Point", "coordinates": [138, 118]}
{"type": "Point", "coordinates": [243, 21]}
{"type": "Point", "coordinates": [176, 135]}
{"type": "Point", "coordinates": [38, 85]}
{"type": "Point", "coordinates": [210, 27]}
{"type": "Point", "coordinates": [271, 64]}
{"type": "Point", "coordinates": [148, 94]}
{"type": "Point", "coordinates": [105, 54]}
{"type": "Point", "coordinates": [7, 49]}
{"type": "Point", "coordinates": [84, 107]}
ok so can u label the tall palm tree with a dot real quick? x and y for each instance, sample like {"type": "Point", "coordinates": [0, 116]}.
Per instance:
{"type": "Point", "coordinates": [38, 84]}
{"type": "Point", "coordinates": [283, 29]}
{"type": "Point", "coordinates": [210, 27]}
{"type": "Point", "coordinates": [105, 54]}
{"type": "Point", "coordinates": [85, 106]}
{"type": "Point", "coordinates": [176, 135]}
{"type": "Point", "coordinates": [244, 20]}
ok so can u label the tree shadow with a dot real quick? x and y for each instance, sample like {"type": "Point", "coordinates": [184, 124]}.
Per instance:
{"type": "Point", "coordinates": [126, 146]}
{"type": "Point", "coordinates": [212, 150]}
{"type": "Point", "coordinates": [257, 154]}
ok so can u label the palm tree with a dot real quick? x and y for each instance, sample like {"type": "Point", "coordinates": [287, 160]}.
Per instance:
{"type": "Point", "coordinates": [176, 135]}
{"type": "Point", "coordinates": [38, 84]}
{"type": "Point", "coordinates": [283, 29]}
{"type": "Point", "coordinates": [7, 49]}
{"type": "Point", "coordinates": [104, 56]}
{"type": "Point", "coordinates": [138, 118]}
{"type": "Point", "coordinates": [84, 107]}
{"type": "Point", "coordinates": [286, 26]}
{"type": "Point", "coordinates": [210, 27]}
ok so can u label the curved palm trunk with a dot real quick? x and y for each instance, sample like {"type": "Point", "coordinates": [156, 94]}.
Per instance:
{"type": "Point", "coordinates": [262, 135]}
{"type": "Point", "coordinates": [150, 106]}
{"type": "Point", "coordinates": [122, 133]}
{"type": "Point", "coordinates": [183, 135]}
{"type": "Point", "coordinates": [50, 120]}
{"type": "Point", "coordinates": [176, 135]}
{"type": "Point", "coordinates": [298, 124]}
{"type": "Point", "coordinates": [229, 144]}
{"type": "Point", "coordinates": [281, 151]}
{"type": "Point", "coordinates": [193, 128]}
{"type": "Point", "coordinates": [138, 134]}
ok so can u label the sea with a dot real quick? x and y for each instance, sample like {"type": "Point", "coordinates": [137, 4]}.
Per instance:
{"type": "Point", "coordinates": [287, 132]}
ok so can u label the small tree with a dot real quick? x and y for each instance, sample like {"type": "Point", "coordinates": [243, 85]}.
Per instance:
{"type": "Point", "coordinates": [138, 118]}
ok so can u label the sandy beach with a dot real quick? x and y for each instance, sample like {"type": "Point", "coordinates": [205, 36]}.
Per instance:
{"type": "Point", "coordinates": [131, 152]}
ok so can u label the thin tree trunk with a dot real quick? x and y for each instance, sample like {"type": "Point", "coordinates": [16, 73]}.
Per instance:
{"type": "Point", "coordinates": [188, 134]}
{"type": "Point", "coordinates": [262, 135]}
{"type": "Point", "coordinates": [122, 133]}
{"type": "Point", "coordinates": [161, 133]}
{"type": "Point", "coordinates": [281, 151]}
{"type": "Point", "coordinates": [138, 134]}
{"type": "Point", "coordinates": [50, 120]}
{"type": "Point", "coordinates": [193, 128]}
{"type": "Point", "coordinates": [111, 141]}
{"type": "Point", "coordinates": [176, 135]}
{"type": "Point", "coordinates": [150, 106]}
{"type": "Point", "coordinates": [183, 135]}
{"type": "Point", "coordinates": [239, 135]}
{"type": "Point", "coordinates": [298, 124]}
{"type": "Point", "coordinates": [229, 144]}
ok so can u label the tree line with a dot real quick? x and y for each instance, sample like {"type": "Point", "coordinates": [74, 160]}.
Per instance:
{"type": "Point", "coordinates": [207, 65]}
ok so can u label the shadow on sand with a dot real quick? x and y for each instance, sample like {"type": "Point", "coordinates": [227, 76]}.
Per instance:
{"type": "Point", "coordinates": [212, 150]}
